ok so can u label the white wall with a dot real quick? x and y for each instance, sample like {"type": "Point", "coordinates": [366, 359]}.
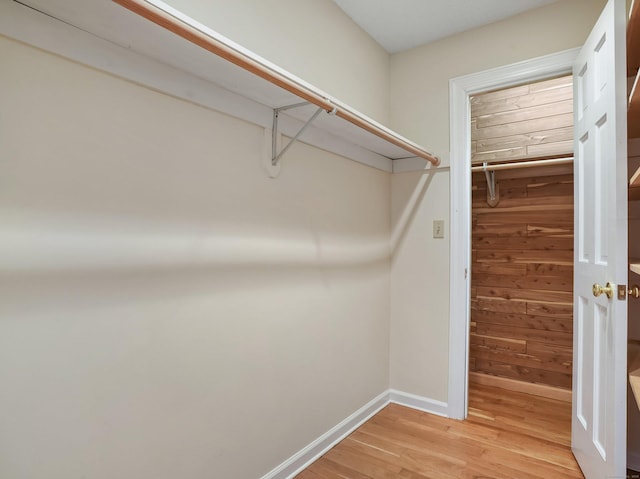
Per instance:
{"type": "Point", "coordinates": [420, 110]}
{"type": "Point", "coordinates": [167, 310]}
{"type": "Point", "coordinates": [312, 39]}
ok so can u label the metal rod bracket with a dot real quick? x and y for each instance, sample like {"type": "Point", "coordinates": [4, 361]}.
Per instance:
{"type": "Point", "coordinates": [275, 156]}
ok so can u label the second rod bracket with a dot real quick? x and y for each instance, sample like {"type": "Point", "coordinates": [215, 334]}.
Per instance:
{"type": "Point", "coordinates": [275, 155]}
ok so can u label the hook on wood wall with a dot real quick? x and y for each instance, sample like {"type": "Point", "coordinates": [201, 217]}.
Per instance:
{"type": "Point", "coordinates": [493, 189]}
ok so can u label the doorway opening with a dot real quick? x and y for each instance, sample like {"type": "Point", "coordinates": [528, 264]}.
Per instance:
{"type": "Point", "coordinates": [461, 89]}
{"type": "Point", "coordinates": [521, 301]}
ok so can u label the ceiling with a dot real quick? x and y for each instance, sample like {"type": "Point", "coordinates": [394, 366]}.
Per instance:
{"type": "Point", "coordinates": [402, 24]}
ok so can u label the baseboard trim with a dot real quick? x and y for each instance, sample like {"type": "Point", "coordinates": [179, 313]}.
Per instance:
{"type": "Point", "coordinates": [633, 460]}
{"type": "Point", "coordinates": [301, 460]}
{"type": "Point", "coordinates": [420, 403]}
{"type": "Point", "coordinates": [521, 386]}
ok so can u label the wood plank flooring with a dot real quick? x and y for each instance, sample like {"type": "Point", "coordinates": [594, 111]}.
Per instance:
{"type": "Point", "coordinates": [507, 435]}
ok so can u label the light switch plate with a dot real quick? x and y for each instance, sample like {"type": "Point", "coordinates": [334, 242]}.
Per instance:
{"type": "Point", "coordinates": [438, 228]}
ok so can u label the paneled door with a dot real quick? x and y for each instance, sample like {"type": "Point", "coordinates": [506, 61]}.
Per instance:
{"type": "Point", "coordinates": [600, 266]}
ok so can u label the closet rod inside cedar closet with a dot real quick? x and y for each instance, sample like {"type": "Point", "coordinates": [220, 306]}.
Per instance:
{"type": "Point", "coordinates": [172, 20]}
{"type": "Point", "coordinates": [522, 164]}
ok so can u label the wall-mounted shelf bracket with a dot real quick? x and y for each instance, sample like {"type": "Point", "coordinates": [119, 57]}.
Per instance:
{"type": "Point", "coordinates": [492, 188]}
{"type": "Point", "coordinates": [275, 156]}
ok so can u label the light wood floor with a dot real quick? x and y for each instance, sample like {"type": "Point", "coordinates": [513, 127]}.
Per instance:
{"type": "Point", "coordinates": [507, 435]}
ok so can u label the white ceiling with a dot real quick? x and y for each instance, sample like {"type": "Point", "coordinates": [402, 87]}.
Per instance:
{"type": "Point", "coordinates": [402, 24]}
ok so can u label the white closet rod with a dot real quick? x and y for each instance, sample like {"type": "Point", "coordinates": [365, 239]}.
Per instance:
{"type": "Point", "coordinates": [203, 37]}
{"type": "Point", "coordinates": [523, 164]}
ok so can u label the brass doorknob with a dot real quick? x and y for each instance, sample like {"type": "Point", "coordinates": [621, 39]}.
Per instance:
{"type": "Point", "coordinates": [608, 290]}
{"type": "Point", "coordinates": [634, 291]}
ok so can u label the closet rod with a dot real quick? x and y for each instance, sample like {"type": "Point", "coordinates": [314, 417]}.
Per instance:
{"type": "Point", "coordinates": [164, 16]}
{"type": "Point", "coordinates": [523, 164]}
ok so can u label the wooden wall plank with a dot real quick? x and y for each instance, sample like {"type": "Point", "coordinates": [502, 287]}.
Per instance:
{"type": "Point", "coordinates": [551, 309]}
{"type": "Point", "coordinates": [529, 242]}
{"type": "Point", "coordinates": [524, 139]}
{"type": "Point", "coordinates": [542, 269]}
{"type": "Point", "coordinates": [499, 305]}
{"type": "Point", "coordinates": [525, 256]}
{"type": "Point", "coordinates": [501, 268]}
{"type": "Point", "coordinates": [561, 217]}
{"type": "Point", "coordinates": [527, 282]}
{"type": "Point", "coordinates": [551, 190]}
{"type": "Point", "coordinates": [523, 113]}
{"type": "Point", "coordinates": [565, 230]}
{"type": "Point", "coordinates": [550, 350]}
{"type": "Point", "coordinates": [533, 375]}
{"type": "Point", "coordinates": [548, 363]}
{"type": "Point", "coordinates": [505, 154]}
{"type": "Point", "coordinates": [543, 323]}
{"type": "Point", "coordinates": [501, 229]}
{"type": "Point", "coordinates": [558, 148]}
{"type": "Point", "coordinates": [560, 82]}
{"type": "Point", "coordinates": [488, 104]}
{"type": "Point", "coordinates": [504, 93]}
{"type": "Point", "coordinates": [529, 295]}
{"type": "Point", "coordinates": [504, 344]}
{"type": "Point", "coordinates": [523, 127]}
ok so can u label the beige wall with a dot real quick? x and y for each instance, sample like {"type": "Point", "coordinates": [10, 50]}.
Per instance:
{"type": "Point", "coordinates": [167, 309]}
{"type": "Point", "coordinates": [419, 307]}
{"type": "Point", "coordinates": [420, 110]}
{"type": "Point", "coordinates": [312, 39]}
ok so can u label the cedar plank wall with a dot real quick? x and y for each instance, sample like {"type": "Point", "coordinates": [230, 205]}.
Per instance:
{"type": "Point", "coordinates": [522, 265]}
{"type": "Point", "coordinates": [529, 121]}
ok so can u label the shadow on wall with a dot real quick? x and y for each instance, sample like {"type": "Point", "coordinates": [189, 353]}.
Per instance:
{"type": "Point", "coordinates": [34, 292]}
{"type": "Point", "coordinates": [62, 264]}
{"type": "Point", "coordinates": [413, 197]}
{"type": "Point", "coordinates": [50, 268]}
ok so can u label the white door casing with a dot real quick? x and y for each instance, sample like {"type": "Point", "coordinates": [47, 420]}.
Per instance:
{"type": "Point", "coordinates": [600, 256]}
{"type": "Point", "coordinates": [460, 89]}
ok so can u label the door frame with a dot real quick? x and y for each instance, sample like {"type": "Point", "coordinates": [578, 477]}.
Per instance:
{"type": "Point", "coordinates": [460, 88]}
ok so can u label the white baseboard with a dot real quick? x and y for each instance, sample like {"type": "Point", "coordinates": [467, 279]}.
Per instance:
{"type": "Point", "coordinates": [421, 403]}
{"type": "Point", "coordinates": [296, 463]}
{"type": "Point", "coordinates": [299, 461]}
{"type": "Point", "coordinates": [633, 460]}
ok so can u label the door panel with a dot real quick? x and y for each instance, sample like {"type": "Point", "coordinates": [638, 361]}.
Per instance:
{"type": "Point", "coordinates": [600, 322]}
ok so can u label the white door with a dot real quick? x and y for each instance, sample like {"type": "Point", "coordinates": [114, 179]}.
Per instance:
{"type": "Point", "coordinates": [600, 323]}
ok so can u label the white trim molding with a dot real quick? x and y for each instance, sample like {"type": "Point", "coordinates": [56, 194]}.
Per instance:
{"type": "Point", "coordinates": [420, 403]}
{"type": "Point", "coordinates": [302, 459]}
{"type": "Point", "coordinates": [460, 189]}
{"type": "Point", "coordinates": [305, 457]}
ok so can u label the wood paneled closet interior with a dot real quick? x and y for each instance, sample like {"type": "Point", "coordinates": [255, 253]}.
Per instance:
{"type": "Point", "coordinates": [522, 237]}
